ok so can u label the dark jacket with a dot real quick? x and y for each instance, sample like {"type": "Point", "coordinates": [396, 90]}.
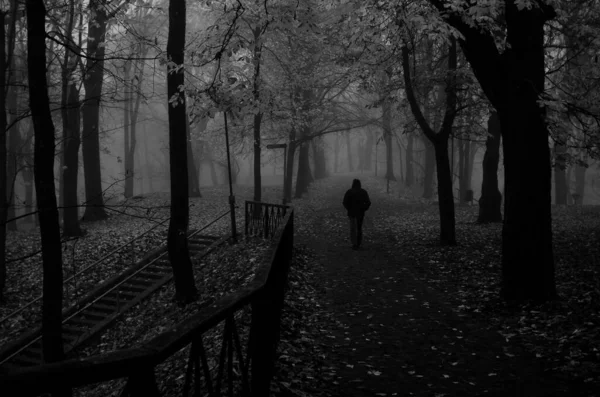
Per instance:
{"type": "Point", "coordinates": [356, 201]}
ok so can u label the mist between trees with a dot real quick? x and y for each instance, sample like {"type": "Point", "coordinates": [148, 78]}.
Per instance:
{"type": "Point", "coordinates": [447, 98]}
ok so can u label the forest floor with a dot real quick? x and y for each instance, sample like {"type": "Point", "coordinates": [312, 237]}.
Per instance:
{"type": "Point", "coordinates": [401, 317]}
{"type": "Point", "coordinates": [406, 317]}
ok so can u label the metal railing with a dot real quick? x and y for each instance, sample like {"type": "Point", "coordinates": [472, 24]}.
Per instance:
{"type": "Point", "coordinates": [129, 243]}
{"type": "Point", "coordinates": [155, 256]}
{"type": "Point", "coordinates": [262, 219]}
{"type": "Point", "coordinates": [264, 295]}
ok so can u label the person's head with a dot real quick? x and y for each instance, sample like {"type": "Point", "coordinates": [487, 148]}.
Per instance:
{"type": "Point", "coordinates": [356, 184]}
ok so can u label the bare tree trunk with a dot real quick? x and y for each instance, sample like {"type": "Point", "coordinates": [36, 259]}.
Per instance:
{"type": "Point", "coordinates": [387, 139]}
{"type": "Point", "coordinates": [560, 178]}
{"type": "Point", "coordinates": [257, 155]}
{"type": "Point", "coordinates": [193, 180]}
{"type": "Point", "coordinates": [400, 162]}
{"type": "Point", "coordinates": [289, 172]}
{"type": "Point", "coordinates": [579, 183]}
{"type": "Point", "coordinates": [410, 176]}
{"type": "Point", "coordinates": [527, 253]}
{"type": "Point", "coordinates": [349, 147]}
{"type": "Point", "coordinates": [336, 153]}
{"type": "Point", "coordinates": [70, 172]}
{"type": "Point", "coordinates": [319, 159]}
{"type": "Point", "coordinates": [3, 158]}
{"type": "Point", "coordinates": [439, 140]}
{"type": "Point", "coordinates": [27, 175]}
{"type": "Point", "coordinates": [177, 242]}
{"type": "Point", "coordinates": [92, 82]}
{"type": "Point", "coordinates": [256, 82]}
{"type": "Point", "coordinates": [304, 176]}
{"type": "Point", "coordinates": [128, 161]}
{"type": "Point", "coordinates": [368, 151]}
{"type": "Point", "coordinates": [490, 201]}
{"type": "Point", "coordinates": [147, 167]}
{"type": "Point", "coordinates": [429, 169]}
{"type": "Point", "coordinates": [445, 194]}
{"type": "Point", "coordinates": [69, 158]}
{"type": "Point", "coordinates": [52, 343]}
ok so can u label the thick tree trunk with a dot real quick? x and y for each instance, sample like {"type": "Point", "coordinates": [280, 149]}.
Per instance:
{"type": "Point", "coordinates": [177, 242]}
{"type": "Point", "coordinates": [336, 153]}
{"type": "Point", "coordinates": [445, 194]}
{"type": "Point", "coordinates": [52, 343]}
{"type": "Point", "coordinates": [410, 175]}
{"type": "Point", "coordinates": [349, 152]}
{"type": "Point", "coordinates": [429, 169]}
{"type": "Point", "coordinates": [561, 190]}
{"type": "Point", "coordinates": [527, 255]}
{"type": "Point", "coordinates": [94, 207]}
{"type": "Point", "coordinates": [71, 155]}
{"type": "Point", "coordinates": [512, 82]}
{"type": "Point", "coordinates": [491, 198]}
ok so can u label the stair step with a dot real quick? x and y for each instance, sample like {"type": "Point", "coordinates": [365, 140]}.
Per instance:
{"type": "Point", "coordinates": [103, 308]}
{"type": "Point", "coordinates": [71, 330]}
{"type": "Point", "coordinates": [8, 367]}
{"type": "Point", "coordinates": [201, 241]}
{"type": "Point", "coordinates": [107, 302]}
{"type": "Point", "coordinates": [132, 288]}
{"type": "Point", "coordinates": [139, 281]}
{"type": "Point", "coordinates": [83, 321]}
{"type": "Point", "coordinates": [34, 354]}
{"type": "Point", "coordinates": [157, 268]}
{"type": "Point", "coordinates": [22, 361]}
{"type": "Point", "coordinates": [151, 276]}
{"type": "Point", "coordinates": [93, 314]}
{"type": "Point", "coordinates": [121, 296]}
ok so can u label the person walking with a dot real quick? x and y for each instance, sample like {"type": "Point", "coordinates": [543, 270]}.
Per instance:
{"type": "Point", "coordinates": [356, 202]}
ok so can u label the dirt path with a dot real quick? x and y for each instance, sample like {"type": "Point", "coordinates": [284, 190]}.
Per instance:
{"type": "Point", "coordinates": [392, 335]}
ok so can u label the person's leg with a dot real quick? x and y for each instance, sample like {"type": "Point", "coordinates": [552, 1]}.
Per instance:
{"type": "Point", "coordinates": [359, 225]}
{"type": "Point", "coordinates": [353, 231]}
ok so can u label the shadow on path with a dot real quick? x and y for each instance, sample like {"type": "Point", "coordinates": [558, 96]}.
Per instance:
{"type": "Point", "coordinates": [392, 334]}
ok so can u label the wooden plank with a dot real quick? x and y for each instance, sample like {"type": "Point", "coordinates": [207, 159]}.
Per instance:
{"type": "Point", "coordinates": [97, 306]}
{"type": "Point", "coordinates": [133, 288]}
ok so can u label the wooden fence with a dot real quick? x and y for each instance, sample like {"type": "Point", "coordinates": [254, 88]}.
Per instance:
{"type": "Point", "coordinates": [264, 295]}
